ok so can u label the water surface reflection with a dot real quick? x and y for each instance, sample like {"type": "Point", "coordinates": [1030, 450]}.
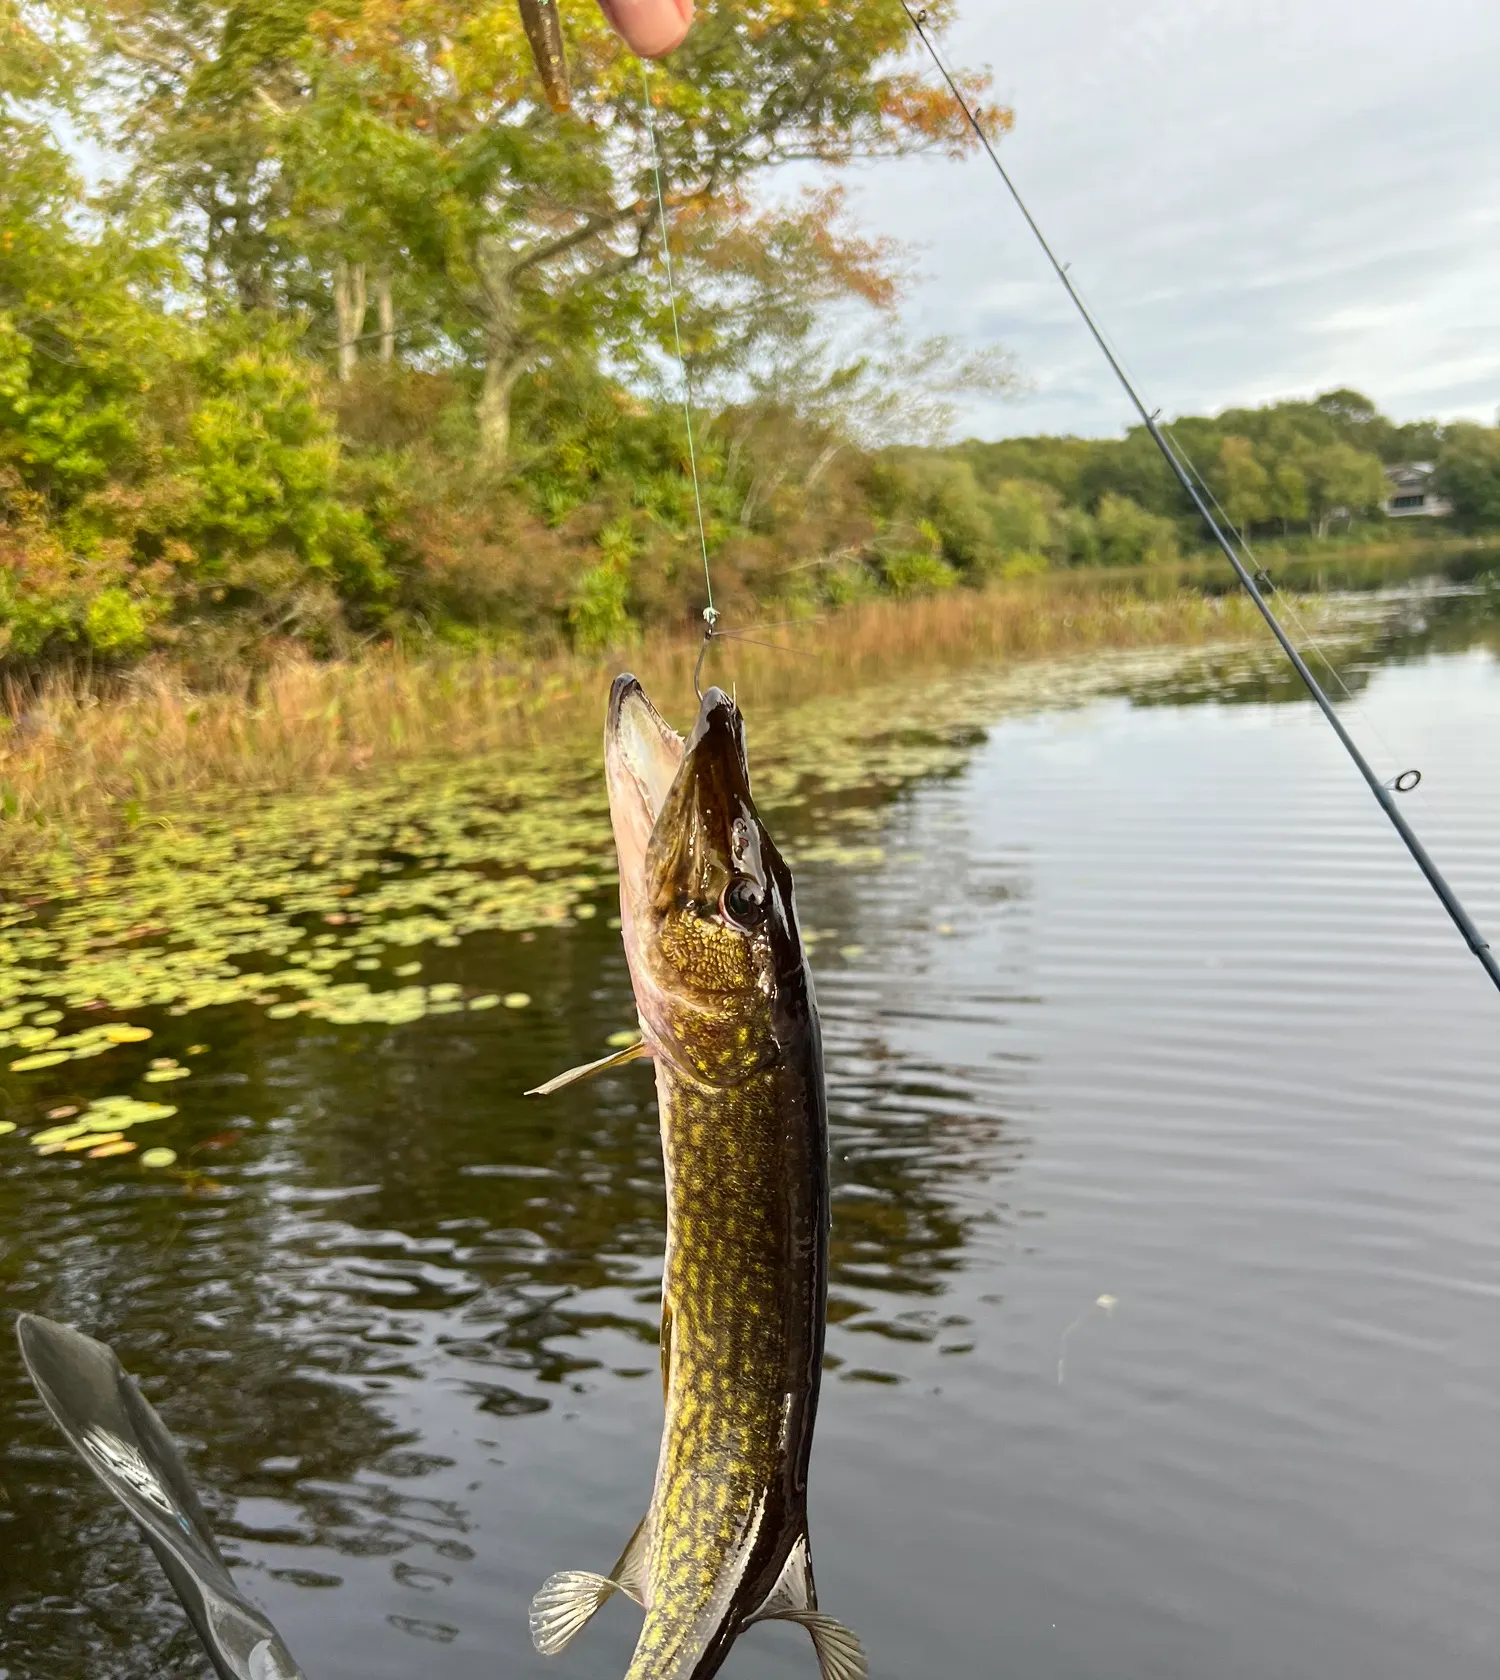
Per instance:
{"type": "Point", "coordinates": [1139, 1002]}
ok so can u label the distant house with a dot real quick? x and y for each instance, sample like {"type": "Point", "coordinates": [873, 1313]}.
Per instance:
{"type": "Point", "coordinates": [1411, 495]}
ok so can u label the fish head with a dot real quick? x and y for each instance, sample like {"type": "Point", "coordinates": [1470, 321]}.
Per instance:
{"type": "Point", "coordinates": [706, 901]}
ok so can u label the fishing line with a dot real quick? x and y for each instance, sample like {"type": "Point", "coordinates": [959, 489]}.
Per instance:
{"type": "Point", "coordinates": [1384, 795]}
{"type": "Point", "coordinates": [710, 612]}
{"type": "Point", "coordinates": [1403, 781]}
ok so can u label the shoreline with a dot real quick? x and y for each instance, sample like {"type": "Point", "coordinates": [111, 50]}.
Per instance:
{"type": "Point", "coordinates": [83, 769]}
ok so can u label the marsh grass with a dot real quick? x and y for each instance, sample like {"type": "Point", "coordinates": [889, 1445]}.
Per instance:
{"type": "Point", "coordinates": [79, 766]}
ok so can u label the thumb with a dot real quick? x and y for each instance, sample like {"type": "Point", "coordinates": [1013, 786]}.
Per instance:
{"type": "Point", "coordinates": [651, 28]}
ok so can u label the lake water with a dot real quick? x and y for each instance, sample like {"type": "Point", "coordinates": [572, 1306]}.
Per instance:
{"type": "Point", "coordinates": [1166, 1241]}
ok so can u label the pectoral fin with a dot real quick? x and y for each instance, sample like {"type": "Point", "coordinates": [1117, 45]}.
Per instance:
{"type": "Point", "coordinates": [794, 1598]}
{"type": "Point", "coordinates": [616, 1058]}
{"type": "Point", "coordinates": [567, 1602]}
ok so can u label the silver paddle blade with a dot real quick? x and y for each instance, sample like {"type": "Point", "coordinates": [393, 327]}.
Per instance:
{"type": "Point", "coordinates": [97, 1405]}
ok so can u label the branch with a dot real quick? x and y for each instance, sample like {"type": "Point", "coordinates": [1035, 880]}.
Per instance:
{"type": "Point", "coordinates": [156, 60]}
{"type": "Point", "coordinates": [594, 225]}
{"type": "Point", "coordinates": [621, 263]}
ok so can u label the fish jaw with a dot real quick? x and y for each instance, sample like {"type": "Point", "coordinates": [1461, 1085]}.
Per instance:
{"type": "Point", "coordinates": [642, 755]}
{"type": "Point", "coordinates": [706, 830]}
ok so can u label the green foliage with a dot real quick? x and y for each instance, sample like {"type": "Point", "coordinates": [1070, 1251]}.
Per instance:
{"type": "Point", "coordinates": [1289, 463]}
{"type": "Point", "coordinates": [1468, 474]}
{"type": "Point", "coordinates": [114, 622]}
{"type": "Point", "coordinates": [918, 569]}
{"type": "Point", "coordinates": [598, 614]}
{"type": "Point", "coordinates": [262, 458]}
{"type": "Point", "coordinates": [1129, 535]}
{"type": "Point", "coordinates": [1024, 519]}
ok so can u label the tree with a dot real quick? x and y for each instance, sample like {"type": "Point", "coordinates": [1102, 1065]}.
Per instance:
{"type": "Point", "coordinates": [288, 137]}
{"type": "Point", "coordinates": [1287, 500]}
{"type": "Point", "coordinates": [1468, 474]}
{"type": "Point", "coordinates": [1244, 484]}
{"type": "Point", "coordinates": [1129, 535]}
{"type": "Point", "coordinates": [1341, 481]}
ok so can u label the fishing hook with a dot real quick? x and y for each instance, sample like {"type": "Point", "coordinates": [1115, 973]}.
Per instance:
{"type": "Point", "coordinates": [710, 623]}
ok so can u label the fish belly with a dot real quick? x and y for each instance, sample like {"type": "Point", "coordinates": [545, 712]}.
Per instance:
{"type": "Point", "coordinates": [742, 1327]}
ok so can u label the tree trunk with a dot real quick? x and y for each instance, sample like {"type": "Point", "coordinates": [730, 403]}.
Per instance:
{"type": "Point", "coordinates": [500, 376]}
{"type": "Point", "coordinates": [505, 357]}
{"type": "Point", "coordinates": [386, 307]}
{"type": "Point", "coordinates": [349, 305]}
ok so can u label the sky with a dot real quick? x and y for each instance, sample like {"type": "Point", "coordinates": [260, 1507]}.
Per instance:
{"type": "Point", "coordinates": [1259, 200]}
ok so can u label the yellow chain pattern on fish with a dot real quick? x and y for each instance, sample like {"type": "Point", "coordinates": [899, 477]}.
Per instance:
{"type": "Point", "coordinates": [725, 1298]}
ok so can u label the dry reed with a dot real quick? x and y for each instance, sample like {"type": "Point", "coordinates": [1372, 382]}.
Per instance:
{"type": "Point", "coordinates": [77, 766]}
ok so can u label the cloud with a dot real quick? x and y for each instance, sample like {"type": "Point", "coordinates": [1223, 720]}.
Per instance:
{"type": "Point", "coordinates": [1260, 202]}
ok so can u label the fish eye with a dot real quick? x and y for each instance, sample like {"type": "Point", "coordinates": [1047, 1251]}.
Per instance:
{"type": "Point", "coordinates": [743, 903]}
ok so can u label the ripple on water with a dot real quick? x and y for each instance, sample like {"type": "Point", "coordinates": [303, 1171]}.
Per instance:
{"type": "Point", "coordinates": [1124, 1003]}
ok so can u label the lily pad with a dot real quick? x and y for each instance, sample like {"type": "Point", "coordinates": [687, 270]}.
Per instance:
{"type": "Point", "coordinates": [60, 1134]}
{"type": "Point", "coordinates": [117, 1146]}
{"type": "Point", "coordinates": [158, 1157]}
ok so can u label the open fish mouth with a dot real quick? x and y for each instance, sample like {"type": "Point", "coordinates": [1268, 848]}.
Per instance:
{"type": "Point", "coordinates": [642, 755]}
{"type": "Point", "coordinates": [679, 808]}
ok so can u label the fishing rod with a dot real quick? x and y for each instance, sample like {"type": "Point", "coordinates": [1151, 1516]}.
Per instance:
{"type": "Point", "coordinates": [1383, 793]}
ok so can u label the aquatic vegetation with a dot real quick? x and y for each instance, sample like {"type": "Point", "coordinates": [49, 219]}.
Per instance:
{"type": "Point", "coordinates": [89, 769]}
{"type": "Point", "coordinates": [334, 905]}
{"type": "Point", "coordinates": [102, 1125]}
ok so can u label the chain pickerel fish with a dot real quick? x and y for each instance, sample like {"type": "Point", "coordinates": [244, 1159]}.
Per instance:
{"type": "Point", "coordinates": [727, 1012]}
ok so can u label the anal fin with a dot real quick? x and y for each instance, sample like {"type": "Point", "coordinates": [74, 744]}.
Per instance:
{"type": "Point", "coordinates": [616, 1058]}
{"type": "Point", "coordinates": [794, 1598]}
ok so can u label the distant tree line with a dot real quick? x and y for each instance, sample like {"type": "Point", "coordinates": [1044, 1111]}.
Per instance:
{"type": "Point", "coordinates": [1303, 468]}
